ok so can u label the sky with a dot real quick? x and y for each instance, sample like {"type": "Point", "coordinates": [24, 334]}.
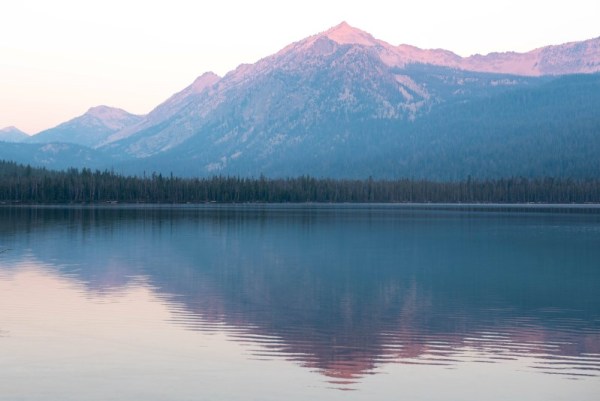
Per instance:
{"type": "Point", "coordinates": [59, 58]}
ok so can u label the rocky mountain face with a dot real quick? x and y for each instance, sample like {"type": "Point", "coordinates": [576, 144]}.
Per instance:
{"type": "Point", "coordinates": [163, 112]}
{"type": "Point", "coordinates": [90, 129]}
{"type": "Point", "coordinates": [541, 128]}
{"type": "Point", "coordinates": [12, 134]}
{"type": "Point", "coordinates": [310, 98]}
{"type": "Point", "coordinates": [569, 58]}
{"type": "Point", "coordinates": [345, 104]}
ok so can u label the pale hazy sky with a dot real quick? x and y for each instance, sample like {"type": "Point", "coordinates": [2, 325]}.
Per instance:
{"type": "Point", "coordinates": [60, 57]}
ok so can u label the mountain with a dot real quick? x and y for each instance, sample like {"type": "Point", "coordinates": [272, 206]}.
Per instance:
{"type": "Point", "coordinates": [547, 129]}
{"type": "Point", "coordinates": [90, 129]}
{"type": "Point", "coordinates": [12, 134]}
{"type": "Point", "coordinates": [345, 104]}
{"type": "Point", "coordinates": [311, 97]}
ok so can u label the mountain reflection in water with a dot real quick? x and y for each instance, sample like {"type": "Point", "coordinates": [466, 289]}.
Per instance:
{"type": "Point", "coordinates": [345, 290]}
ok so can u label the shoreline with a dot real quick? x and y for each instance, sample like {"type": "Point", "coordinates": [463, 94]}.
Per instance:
{"type": "Point", "coordinates": [274, 206]}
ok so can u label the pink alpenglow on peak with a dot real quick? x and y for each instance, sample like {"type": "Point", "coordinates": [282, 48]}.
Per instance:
{"type": "Point", "coordinates": [346, 34]}
{"type": "Point", "coordinates": [429, 56]}
{"type": "Point", "coordinates": [568, 58]}
{"type": "Point", "coordinates": [204, 81]}
{"type": "Point", "coordinates": [107, 112]}
{"type": "Point", "coordinates": [111, 117]}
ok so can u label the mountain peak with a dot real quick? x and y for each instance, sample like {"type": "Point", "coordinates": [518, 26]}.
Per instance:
{"type": "Point", "coordinates": [88, 129]}
{"type": "Point", "coordinates": [203, 81]}
{"type": "Point", "coordinates": [342, 26]}
{"type": "Point", "coordinates": [12, 128]}
{"type": "Point", "coordinates": [112, 117]}
{"type": "Point", "coordinates": [344, 33]}
{"type": "Point", "coordinates": [103, 111]}
{"type": "Point", "coordinates": [12, 134]}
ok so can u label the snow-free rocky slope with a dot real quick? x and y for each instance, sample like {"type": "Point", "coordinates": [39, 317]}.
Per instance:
{"type": "Point", "coordinates": [90, 129]}
{"type": "Point", "coordinates": [313, 96]}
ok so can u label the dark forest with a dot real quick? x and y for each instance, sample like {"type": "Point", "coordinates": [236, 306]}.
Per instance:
{"type": "Point", "coordinates": [25, 184]}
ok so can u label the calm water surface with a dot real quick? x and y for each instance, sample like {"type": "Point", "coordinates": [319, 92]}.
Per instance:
{"type": "Point", "coordinates": [299, 303]}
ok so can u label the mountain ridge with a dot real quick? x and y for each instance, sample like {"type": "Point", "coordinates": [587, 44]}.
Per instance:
{"type": "Point", "coordinates": [310, 55]}
{"type": "Point", "coordinates": [168, 108]}
{"type": "Point", "coordinates": [343, 103]}
{"type": "Point", "coordinates": [501, 62]}
{"type": "Point", "coordinates": [546, 60]}
{"type": "Point", "coordinates": [349, 74]}
{"type": "Point", "coordinates": [89, 129]}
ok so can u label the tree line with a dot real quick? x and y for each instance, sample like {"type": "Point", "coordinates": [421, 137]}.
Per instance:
{"type": "Point", "coordinates": [26, 184]}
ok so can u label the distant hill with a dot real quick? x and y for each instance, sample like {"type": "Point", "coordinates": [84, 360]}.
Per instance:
{"type": "Point", "coordinates": [12, 134]}
{"type": "Point", "coordinates": [90, 129]}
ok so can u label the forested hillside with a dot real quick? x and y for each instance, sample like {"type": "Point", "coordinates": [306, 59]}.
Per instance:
{"type": "Point", "coordinates": [24, 184]}
{"type": "Point", "coordinates": [550, 130]}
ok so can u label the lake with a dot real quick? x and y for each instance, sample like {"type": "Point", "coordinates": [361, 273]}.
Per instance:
{"type": "Point", "coordinates": [300, 302]}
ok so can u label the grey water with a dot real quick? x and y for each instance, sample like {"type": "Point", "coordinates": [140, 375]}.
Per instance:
{"type": "Point", "coordinates": [322, 302]}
